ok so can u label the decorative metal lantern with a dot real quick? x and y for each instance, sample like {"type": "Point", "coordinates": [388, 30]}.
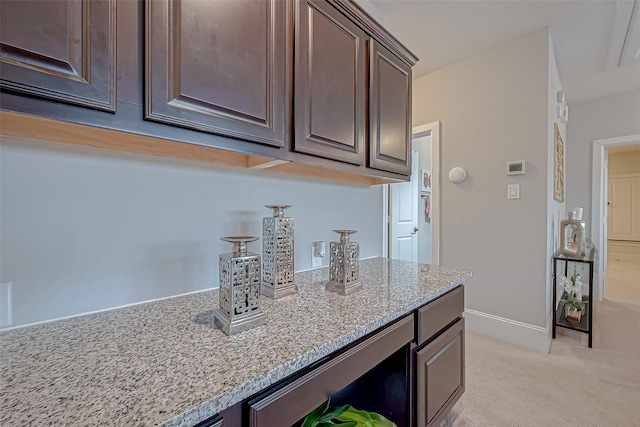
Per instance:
{"type": "Point", "coordinates": [344, 265]}
{"type": "Point", "coordinates": [277, 254]}
{"type": "Point", "coordinates": [239, 288]}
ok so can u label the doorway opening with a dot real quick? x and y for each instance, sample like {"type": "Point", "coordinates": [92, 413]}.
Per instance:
{"type": "Point", "coordinates": [601, 222]}
{"type": "Point", "coordinates": [412, 209]}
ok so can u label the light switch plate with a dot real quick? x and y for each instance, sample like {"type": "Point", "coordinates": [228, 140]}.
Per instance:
{"type": "Point", "coordinates": [316, 261]}
{"type": "Point", "coordinates": [513, 191]}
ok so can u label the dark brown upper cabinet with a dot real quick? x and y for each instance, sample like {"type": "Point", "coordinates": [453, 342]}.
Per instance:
{"type": "Point", "coordinates": [330, 83]}
{"type": "Point", "coordinates": [221, 67]}
{"type": "Point", "coordinates": [60, 50]}
{"type": "Point", "coordinates": [389, 112]}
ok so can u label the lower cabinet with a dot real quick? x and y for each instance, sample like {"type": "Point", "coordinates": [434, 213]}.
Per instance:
{"type": "Point", "coordinates": [411, 372]}
{"type": "Point", "coordinates": [439, 375]}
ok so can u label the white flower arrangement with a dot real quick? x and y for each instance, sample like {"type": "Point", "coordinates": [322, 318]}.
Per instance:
{"type": "Point", "coordinates": [573, 305]}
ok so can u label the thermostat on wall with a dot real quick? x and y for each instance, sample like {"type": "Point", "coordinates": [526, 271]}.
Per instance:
{"type": "Point", "coordinates": [515, 168]}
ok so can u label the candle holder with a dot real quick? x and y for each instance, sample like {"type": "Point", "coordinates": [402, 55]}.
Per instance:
{"type": "Point", "coordinates": [239, 288]}
{"type": "Point", "coordinates": [344, 265]}
{"type": "Point", "coordinates": [277, 254]}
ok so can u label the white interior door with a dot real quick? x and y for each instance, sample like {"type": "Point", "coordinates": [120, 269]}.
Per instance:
{"type": "Point", "coordinates": [403, 224]}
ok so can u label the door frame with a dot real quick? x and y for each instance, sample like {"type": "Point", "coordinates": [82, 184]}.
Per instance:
{"type": "Point", "coordinates": [599, 204]}
{"type": "Point", "coordinates": [432, 129]}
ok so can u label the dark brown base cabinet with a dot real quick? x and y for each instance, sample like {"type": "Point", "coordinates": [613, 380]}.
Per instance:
{"type": "Point", "coordinates": [411, 372]}
{"type": "Point", "coordinates": [302, 86]}
{"type": "Point", "coordinates": [439, 375]}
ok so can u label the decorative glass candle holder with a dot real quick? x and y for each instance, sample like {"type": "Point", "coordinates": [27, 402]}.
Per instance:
{"type": "Point", "coordinates": [573, 241]}
{"type": "Point", "coordinates": [277, 254]}
{"type": "Point", "coordinates": [239, 288]}
{"type": "Point", "coordinates": [344, 265]}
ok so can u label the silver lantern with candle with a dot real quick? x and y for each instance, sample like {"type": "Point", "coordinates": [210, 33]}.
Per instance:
{"type": "Point", "coordinates": [239, 288]}
{"type": "Point", "coordinates": [277, 254]}
{"type": "Point", "coordinates": [344, 264]}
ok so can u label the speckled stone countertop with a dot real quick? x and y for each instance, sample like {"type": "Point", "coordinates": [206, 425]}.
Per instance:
{"type": "Point", "coordinates": [164, 363]}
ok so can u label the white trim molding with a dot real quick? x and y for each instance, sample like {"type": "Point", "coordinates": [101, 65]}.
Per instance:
{"type": "Point", "coordinates": [521, 334]}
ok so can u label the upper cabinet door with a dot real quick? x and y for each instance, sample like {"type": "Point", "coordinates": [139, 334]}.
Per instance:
{"type": "Point", "coordinates": [330, 83]}
{"type": "Point", "coordinates": [220, 67]}
{"type": "Point", "coordinates": [61, 50]}
{"type": "Point", "coordinates": [389, 112]}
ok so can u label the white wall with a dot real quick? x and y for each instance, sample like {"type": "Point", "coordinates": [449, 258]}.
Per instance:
{"type": "Point", "coordinates": [84, 229]}
{"type": "Point", "coordinates": [494, 108]}
{"type": "Point", "coordinates": [608, 117]}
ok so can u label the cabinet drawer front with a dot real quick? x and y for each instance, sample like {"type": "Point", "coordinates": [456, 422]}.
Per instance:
{"type": "Point", "coordinates": [440, 375]}
{"type": "Point", "coordinates": [439, 313]}
{"type": "Point", "coordinates": [294, 401]}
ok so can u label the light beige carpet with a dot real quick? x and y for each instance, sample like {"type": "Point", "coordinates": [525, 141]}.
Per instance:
{"type": "Point", "coordinates": [573, 385]}
{"type": "Point", "coordinates": [623, 281]}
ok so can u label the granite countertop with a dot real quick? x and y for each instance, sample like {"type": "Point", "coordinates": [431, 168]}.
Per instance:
{"type": "Point", "coordinates": [164, 363]}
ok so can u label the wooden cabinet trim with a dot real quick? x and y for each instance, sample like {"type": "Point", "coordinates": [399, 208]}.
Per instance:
{"type": "Point", "coordinates": [292, 402]}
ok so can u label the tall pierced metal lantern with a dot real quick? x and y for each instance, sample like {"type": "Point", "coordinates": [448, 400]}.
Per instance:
{"type": "Point", "coordinates": [344, 265]}
{"type": "Point", "coordinates": [277, 254]}
{"type": "Point", "coordinates": [239, 288]}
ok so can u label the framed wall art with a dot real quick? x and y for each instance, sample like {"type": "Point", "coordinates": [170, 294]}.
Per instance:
{"type": "Point", "coordinates": [558, 165]}
{"type": "Point", "coordinates": [425, 180]}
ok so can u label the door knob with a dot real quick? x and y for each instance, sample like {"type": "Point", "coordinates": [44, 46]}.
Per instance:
{"type": "Point", "coordinates": [415, 230]}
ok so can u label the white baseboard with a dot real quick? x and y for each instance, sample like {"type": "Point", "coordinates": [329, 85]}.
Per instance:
{"type": "Point", "coordinates": [521, 334]}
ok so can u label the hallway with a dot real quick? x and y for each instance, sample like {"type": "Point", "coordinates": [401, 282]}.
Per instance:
{"type": "Point", "coordinates": [623, 281]}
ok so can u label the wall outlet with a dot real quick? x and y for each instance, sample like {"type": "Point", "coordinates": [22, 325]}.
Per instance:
{"type": "Point", "coordinates": [6, 312]}
{"type": "Point", "coordinates": [316, 261]}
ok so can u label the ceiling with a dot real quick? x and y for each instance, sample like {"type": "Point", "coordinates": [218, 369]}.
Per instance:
{"type": "Point", "coordinates": [590, 37]}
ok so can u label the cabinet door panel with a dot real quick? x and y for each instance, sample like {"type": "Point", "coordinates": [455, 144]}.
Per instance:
{"type": "Point", "coordinates": [440, 375]}
{"type": "Point", "coordinates": [624, 208]}
{"type": "Point", "coordinates": [220, 67]}
{"type": "Point", "coordinates": [330, 84]}
{"type": "Point", "coordinates": [61, 50]}
{"type": "Point", "coordinates": [389, 112]}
